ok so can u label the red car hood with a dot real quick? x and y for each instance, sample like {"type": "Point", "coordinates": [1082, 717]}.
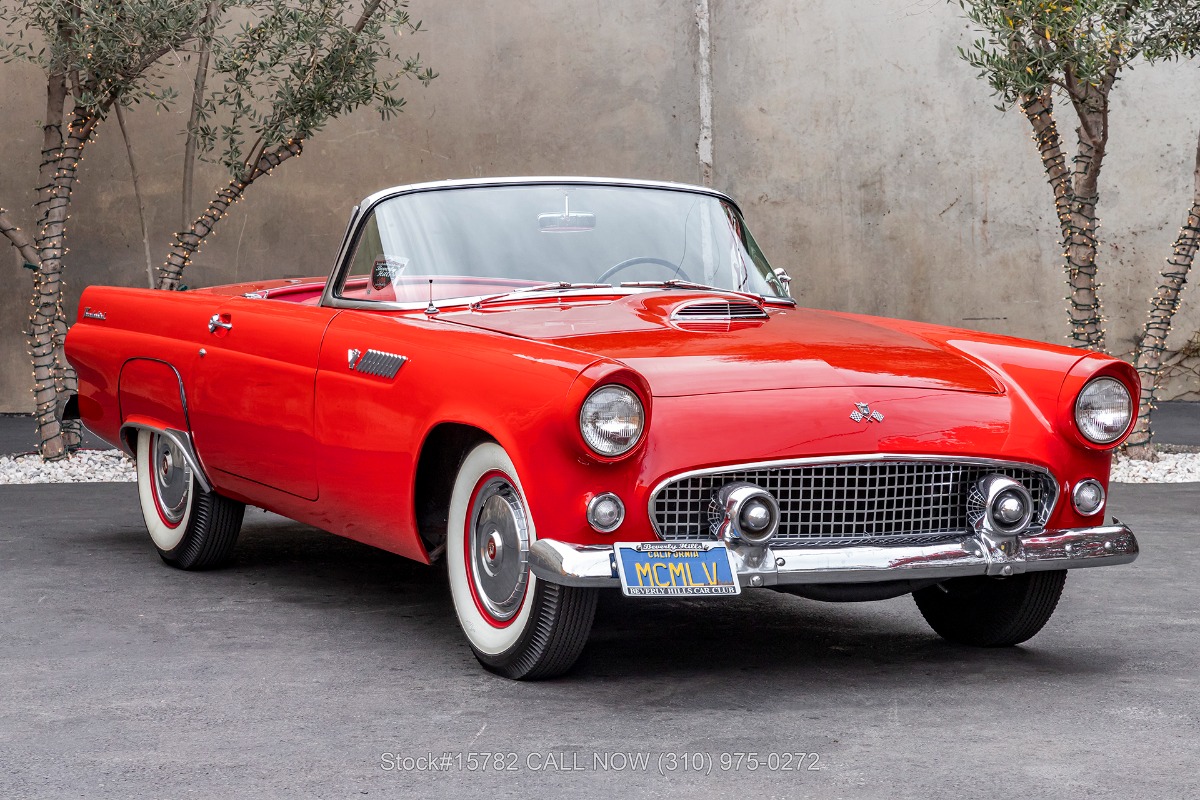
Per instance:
{"type": "Point", "coordinates": [795, 348]}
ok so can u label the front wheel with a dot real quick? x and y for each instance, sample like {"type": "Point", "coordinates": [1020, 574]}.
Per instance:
{"type": "Point", "coordinates": [991, 612]}
{"type": "Point", "coordinates": [518, 626]}
{"type": "Point", "coordinates": [190, 528]}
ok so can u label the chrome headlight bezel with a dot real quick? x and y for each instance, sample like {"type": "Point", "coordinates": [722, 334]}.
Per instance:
{"type": "Point", "coordinates": [1089, 428]}
{"type": "Point", "coordinates": [1079, 497]}
{"type": "Point", "coordinates": [592, 414]}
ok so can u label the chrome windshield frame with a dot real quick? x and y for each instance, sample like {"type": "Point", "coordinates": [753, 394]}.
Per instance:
{"type": "Point", "coordinates": [364, 209]}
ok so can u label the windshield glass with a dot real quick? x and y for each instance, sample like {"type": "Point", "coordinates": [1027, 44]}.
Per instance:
{"type": "Point", "coordinates": [477, 241]}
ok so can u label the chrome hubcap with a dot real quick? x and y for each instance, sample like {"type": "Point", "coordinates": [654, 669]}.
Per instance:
{"type": "Point", "coordinates": [172, 479]}
{"type": "Point", "coordinates": [499, 548]}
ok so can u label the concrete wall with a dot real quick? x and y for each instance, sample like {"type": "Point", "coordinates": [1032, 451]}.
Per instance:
{"type": "Point", "coordinates": [867, 157]}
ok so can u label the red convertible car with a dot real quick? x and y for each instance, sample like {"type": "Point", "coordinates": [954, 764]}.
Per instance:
{"type": "Point", "coordinates": [561, 385]}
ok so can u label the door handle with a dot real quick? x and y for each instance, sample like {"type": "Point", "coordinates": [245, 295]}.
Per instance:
{"type": "Point", "coordinates": [219, 322]}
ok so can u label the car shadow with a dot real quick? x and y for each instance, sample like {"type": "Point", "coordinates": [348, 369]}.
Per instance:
{"type": "Point", "coordinates": [773, 637]}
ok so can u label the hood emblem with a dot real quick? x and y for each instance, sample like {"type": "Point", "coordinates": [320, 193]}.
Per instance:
{"type": "Point", "coordinates": [862, 413]}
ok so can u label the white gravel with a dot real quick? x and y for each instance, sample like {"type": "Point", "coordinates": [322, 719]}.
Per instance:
{"type": "Point", "coordinates": [85, 466]}
{"type": "Point", "coordinates": [1170, 468]}
{"type": "Point", "coordinates": [95, 466]}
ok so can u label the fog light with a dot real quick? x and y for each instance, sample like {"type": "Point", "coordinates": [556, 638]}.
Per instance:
{"type": "Point", "coordinates": [755, 516]}
{"type": "Point", "coordinates": [1009, 508]}
{"type": "Point", "coordinates": [605, 512]}
{"type": "Point", "coordinates": [1000, 504]}
{"type": "Point", "coordinates": [743, 511]}
{"type": "Point", "coordinates": [1088, 497]}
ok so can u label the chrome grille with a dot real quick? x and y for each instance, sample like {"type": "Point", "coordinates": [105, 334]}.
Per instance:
{"type": "Point", "coordinates": [850, 503]}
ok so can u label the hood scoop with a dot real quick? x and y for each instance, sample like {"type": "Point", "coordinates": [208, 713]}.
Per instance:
{"type": "Point", "coordinates": [718, 315]}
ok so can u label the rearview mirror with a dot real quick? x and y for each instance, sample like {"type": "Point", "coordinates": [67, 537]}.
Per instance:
{"type": "Point", "coordinates": [568, 221]}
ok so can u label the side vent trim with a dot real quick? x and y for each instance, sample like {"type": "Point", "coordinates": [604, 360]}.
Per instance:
{"type": "Point", "coordinates": [377, 363]}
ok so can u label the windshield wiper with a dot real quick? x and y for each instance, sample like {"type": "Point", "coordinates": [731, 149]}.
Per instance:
{"type": "Point", "coordinates": [556, 286]}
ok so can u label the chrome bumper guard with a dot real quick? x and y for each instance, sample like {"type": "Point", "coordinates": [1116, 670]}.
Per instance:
{"type": "Point", "coordinates": [595, 565]}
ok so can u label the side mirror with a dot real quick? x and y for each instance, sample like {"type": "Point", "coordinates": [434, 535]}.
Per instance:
{"type": "Point", "coordinates": [785, 280]}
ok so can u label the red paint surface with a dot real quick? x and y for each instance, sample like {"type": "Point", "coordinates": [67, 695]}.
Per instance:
{"type": "Point", "coordinates": [282, 422]}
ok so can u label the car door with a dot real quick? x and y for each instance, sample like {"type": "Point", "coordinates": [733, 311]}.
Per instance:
{"type": "Point", "coordinates": [372, 402]}
{"type": "Point", "coordinates": [251, 405]}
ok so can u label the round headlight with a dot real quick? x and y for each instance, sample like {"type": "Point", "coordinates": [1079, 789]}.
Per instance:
{"type": "Point", "coordinates": [1103, 410]}
{"type": "Point", "coordinates": [611, 420]}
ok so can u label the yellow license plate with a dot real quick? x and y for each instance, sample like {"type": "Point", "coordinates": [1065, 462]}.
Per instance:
{"type": "Point", "coordinates": [675, 569]}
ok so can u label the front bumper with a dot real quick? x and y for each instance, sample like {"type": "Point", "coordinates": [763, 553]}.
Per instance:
{"type": "Point", "coordinates": [1102, 546]}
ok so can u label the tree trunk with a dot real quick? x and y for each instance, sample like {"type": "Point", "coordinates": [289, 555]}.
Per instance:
{"type": "Point", "coordinates": [52, 375]}
{"type": "Point", "coordinates": [187, 243]}
{"type": "Point", "coordinates": [1153, 344]}
{"type": "Point", "coordinates": [18, 239]}
{"type": "Point", "coordinates": [1084, 312]}
{"type": "Point", "coordinates": [1039, 110]}
{"type": "Point", "coordinates": [47, 282]}
{"type": "Point", "coordinates": [1075, 199]}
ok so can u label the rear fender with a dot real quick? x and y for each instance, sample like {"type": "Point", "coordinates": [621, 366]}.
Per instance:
{"type": "Point", "coordinates": [151, 397]}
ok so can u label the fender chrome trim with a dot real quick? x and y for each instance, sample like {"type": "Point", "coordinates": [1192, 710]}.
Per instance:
{"type": "Point", "coordinates": [1071, 548]}
{"type": "Point", "coordinates": [182, 440]}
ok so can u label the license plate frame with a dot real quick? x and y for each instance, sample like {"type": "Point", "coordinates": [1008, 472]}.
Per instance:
{"type": "Point", "coordinates": [693, 569]}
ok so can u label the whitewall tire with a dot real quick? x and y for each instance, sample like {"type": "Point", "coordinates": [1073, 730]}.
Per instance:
{"type": "Point", "coordinates": [189, 527]}
{"type": "Point", "coordinates": [518, 626]}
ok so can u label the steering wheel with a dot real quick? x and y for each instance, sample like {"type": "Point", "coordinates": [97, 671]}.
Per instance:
{"type": "Point", "coordinates": [676, 269]}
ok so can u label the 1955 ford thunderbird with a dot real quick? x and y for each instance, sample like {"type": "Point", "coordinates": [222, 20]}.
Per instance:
{"type": "Point", "coordinates": [558, 385]}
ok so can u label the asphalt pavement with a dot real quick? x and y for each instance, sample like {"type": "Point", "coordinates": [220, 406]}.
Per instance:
{"type": "Point", "coordinates": [317, 667]}
{"type": "Point", "coordinates": [18, 434]}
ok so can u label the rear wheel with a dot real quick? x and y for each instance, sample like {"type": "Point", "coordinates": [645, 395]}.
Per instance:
{"type": "Point", "coordinates": [518, 626]}
{"type": "Point", "coordinates": [991, 612]}
{"type": "Point", "coordinates": [190, 528]}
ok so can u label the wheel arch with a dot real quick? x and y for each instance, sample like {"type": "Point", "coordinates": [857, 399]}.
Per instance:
{"type": "Point", "coordinates": [151, 396]}
{"type": "Point", "coordinates": [181, 439]}
{"type": "Point", "coordinates": [441, 454]}
{"type": "Point", "coordinates": [151, 390]}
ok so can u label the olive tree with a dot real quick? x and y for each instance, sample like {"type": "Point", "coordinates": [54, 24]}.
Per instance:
{"type": "Point", "coordinates": [279, 79]}
{"type": "Point", "coordinates": [1036, 52]}
{"type": "Point", "coordinates": [1151, 356]}
{"type": "Point", "coordinates": [283, 70]}
{"type": "Point", "coordinates": [95, 56]}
